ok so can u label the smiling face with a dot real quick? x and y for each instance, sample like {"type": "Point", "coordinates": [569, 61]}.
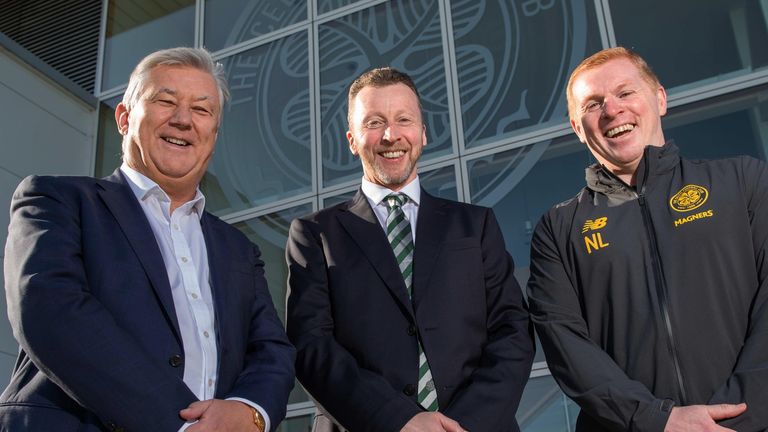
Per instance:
{"type": "Point", "coordinates": [387, 132]}
{"type": "Point", "coordinates": [617, 113]}
{"type": "Point", "coordinates": [170, 133]}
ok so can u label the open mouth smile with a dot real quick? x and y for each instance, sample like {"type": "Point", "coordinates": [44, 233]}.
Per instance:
{"type": "Point", "coordinates": [620, 130]}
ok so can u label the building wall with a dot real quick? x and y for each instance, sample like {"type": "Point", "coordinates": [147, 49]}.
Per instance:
{"type": "Point", "coordinates": [45, 130]}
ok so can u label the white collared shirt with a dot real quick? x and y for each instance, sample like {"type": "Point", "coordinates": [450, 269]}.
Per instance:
{"type": "Point", "coordinates": [376, 194]}
{"type": "Point", "coordinates": [179, 236]}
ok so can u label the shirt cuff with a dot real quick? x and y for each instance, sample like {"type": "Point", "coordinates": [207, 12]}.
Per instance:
{"type": "Point", "coordinates": [258, 408]}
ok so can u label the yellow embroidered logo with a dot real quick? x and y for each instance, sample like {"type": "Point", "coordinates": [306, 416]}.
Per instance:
{"type": "Point", "coordinates": [595, 240]}
{"type": "Point", "coordinates": [689, 198]}
{"type": "Point", "coordinates": [595, 224]}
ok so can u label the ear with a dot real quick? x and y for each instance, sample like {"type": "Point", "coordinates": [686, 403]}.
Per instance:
{"type": "Point", "coordinates": [121, 118]}
{"type": "Point", "coordinates": [424, 135]}
{"type": "Point", "coordinates": [352, 143]}
{"type": "Point", "coordinates": [661, 97]}
{"type": "Point", "coordinates": [577, 129]}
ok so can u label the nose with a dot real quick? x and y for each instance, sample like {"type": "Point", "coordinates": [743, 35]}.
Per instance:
{"type": "Point", "coordinates": [181, 118]}
{"type": "Point", "coordinates": [391, 133]}
{"type": "Point", "coordinates": [612, 106]}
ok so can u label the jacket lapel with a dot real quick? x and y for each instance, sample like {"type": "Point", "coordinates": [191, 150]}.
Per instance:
{"type": "Point", "coordinates": [430, 236]}
{"type": "Point", "coordinates": [218, 267]}
{"type": "Point", "coordinates": [362, 225]}
{"type": "Point", "coordinates": [122, 203]}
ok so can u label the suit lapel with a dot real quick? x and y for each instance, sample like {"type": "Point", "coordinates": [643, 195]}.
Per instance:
{"type": "Point", "coordinates": [122, 203]}
{"type": "Point", "coordinates": [430, 236]}
{"type": "Point", "coordinates": [218, 267]}
{"type": "Point", "coordinates": [362, 225]}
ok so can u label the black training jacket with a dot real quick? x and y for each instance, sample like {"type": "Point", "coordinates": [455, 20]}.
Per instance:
{"type": "Point", "coordinates": [648, 296]}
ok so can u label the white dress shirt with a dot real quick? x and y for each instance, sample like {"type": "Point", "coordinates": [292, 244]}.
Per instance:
{"type": "Point", "coordinates": [376, 194]}
{"type": "Point", "coordinates": [182, 245]}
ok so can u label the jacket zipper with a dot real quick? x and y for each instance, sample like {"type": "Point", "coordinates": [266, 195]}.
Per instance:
{"type": "Point", "coordinates": [660, 285]}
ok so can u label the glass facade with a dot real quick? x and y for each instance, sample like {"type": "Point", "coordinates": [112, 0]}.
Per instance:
{"type": "Point", "coordinates": [492, 77]}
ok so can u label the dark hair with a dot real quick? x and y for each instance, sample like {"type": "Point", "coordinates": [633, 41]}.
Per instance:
{"type": "Point", "coordinates": [379, 77]}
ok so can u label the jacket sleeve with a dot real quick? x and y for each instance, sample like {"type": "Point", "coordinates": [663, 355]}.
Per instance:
{"type": "Point", "coordinates": [66, 331]}
{"type": "Point", "coordinates": [360, 399]}
{"type": "Point", "coordinates": [268, 373]}
{"type": "Point", "coordinates": [749, 379]}
{"type": "Point", "coordinates": [585, 372]}
{"type": "Point", "coordinates": [494, 389]}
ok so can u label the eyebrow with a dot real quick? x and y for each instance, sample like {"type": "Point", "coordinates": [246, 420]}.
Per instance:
{"type": "Point", "coordinates": [174, 93]}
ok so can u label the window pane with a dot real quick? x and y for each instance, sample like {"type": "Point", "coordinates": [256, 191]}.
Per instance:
{"type": "Point", "coordinates": [545, 408]}
{"type": "Point", "coordinates": [136, 28]}
{"type": "Point", "coordinates": [109, 144]}
{"type": "Point", "coordinates": [324, 6]}
{"type": "Point", "coordinates": [732, 125]}
{"type": "Point", "coordinates": [511, 78]}
{"type": "Point", "coordinates": [402, 34]}
{"type": "Point", "coordinates": [270, 232]}
{"type": "Point", "coordinates": [693, 40]}
{"type": "Point", "coordinates": [263, 152]}
{"type": "Point", "coordinates": [229, 22]}
{"type": "Point", "coordinates": [440, 182]}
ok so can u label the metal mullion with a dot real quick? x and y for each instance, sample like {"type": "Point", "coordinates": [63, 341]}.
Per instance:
{"type": "Point", "coordinates": [455, 117]}
{"type": "Point", "coordinates": [316, 139]}
{"type": "Point", "coordinates": [261, 40]}
{"type": "Point", "coordinates": [348, 10]}
{"type": "Point", "coordinates": [300, 409]}
{"type": "Point", "coordinates": [538, 135]}
{"type": "Point", "coordinates": [102, 45]}
{"type": "Point", "coordinates": [605, 23]}
{"type": "Point", "coordinates": [263, 209]}
{"type": "Point", "coordinates": [715, 89]}
{"type": "Point", "coordinates": [199, 23]}
{"type": "Point", "coordinates": [115, 91]}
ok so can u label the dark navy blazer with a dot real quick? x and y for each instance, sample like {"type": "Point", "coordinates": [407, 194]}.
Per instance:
{"type": "Point", "coordinates": [90, 304]}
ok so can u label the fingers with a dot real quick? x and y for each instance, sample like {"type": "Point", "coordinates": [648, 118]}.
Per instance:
{"type": "Point", "coordinates": [450, 425]}
{"type": "Point", "coordinates": [195, 410]}
{"type": "Point", "coordinates": [726, 411]}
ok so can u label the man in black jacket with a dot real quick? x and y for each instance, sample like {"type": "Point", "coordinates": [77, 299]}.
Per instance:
{"type": "Point", "coordinates": [648, 289]}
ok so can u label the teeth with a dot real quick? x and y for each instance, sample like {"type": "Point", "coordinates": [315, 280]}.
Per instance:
{"type": "Point", "coordinates": [393, 154]}
{"type": "Point", "coordinates": [176, 141]}
{"type": "Point", "coordinates": [617, 130]}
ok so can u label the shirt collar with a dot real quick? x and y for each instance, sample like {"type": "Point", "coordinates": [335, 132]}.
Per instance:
{"type": "Point", "coordinates": [377, 193]}
{"type": "Point", "coordinates": [143, 187]}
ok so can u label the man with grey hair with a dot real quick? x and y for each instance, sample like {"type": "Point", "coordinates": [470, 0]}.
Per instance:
{"type": "Point", "coordinates": [135, 309]}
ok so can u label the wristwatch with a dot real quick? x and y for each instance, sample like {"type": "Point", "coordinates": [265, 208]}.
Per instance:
{"type": "Point", "coordinates": [258, 420]}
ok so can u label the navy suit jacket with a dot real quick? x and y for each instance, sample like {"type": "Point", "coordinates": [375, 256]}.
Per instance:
{"type": "Point", "coordinates": [90, 304]}
{"type": "Point", "coordinates": [355, 327]}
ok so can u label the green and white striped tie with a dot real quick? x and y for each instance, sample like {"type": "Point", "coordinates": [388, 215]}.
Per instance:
{"type": "Point", "coordinates": [401, 240]}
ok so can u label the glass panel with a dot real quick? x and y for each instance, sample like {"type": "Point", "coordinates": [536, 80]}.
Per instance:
{"type": "Point", "coordinates": [263, 153]}
{"type": "Point", "coordinates": [731, 125]}
{"type": "Point", "coordinates": [511, 79]}
{"type": "Point", "coordinates": [338, 199]}
{"type": "Point", "coordinates": [296, 424]}
{"type": "Point", "coordinates": [545, 408]}
{"type": "Point", "coordinates": [324, 6]}
{"type": "Point", "coordinates": [136, 28]}
{"type": "Point", "coordinates": [270, 232]}
{"type": "Point", "coordinates": [440, 182]}
{"type": "Point", "coordinates": [229, 22]}
{"type": "Point", "coordinates": [402, 34]}
{"type": "Point", "coordinates": [109, 144]}
{"type": "Point", "coordinates": [693, 40]}
{"type": "Point", "coordinates": [521, 184]}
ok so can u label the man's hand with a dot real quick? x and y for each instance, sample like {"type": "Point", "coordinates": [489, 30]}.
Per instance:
{"type": "Point", "coordinates": [431, 422]}
{"type": "Point", "coordinates": [219, 415]}
{"type": "Point", "coordinates": [702, 417]}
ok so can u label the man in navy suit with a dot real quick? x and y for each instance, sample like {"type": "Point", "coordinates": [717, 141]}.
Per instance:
{"type": "Point", "coordinates": [403, 307]}
{"type": "Point", "coordinates": [135, 309]}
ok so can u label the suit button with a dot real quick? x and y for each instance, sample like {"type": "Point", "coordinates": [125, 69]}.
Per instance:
{"type": "Point", "coordinates": [409, 390]}
{"type": "Point", "coordinates": [176, 360]}
{"type": "Point", "coordinates": [411, 330]}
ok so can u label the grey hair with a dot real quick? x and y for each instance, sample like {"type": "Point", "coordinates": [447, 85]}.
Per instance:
{"type": "Point", "coordinates": [198, 58]}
